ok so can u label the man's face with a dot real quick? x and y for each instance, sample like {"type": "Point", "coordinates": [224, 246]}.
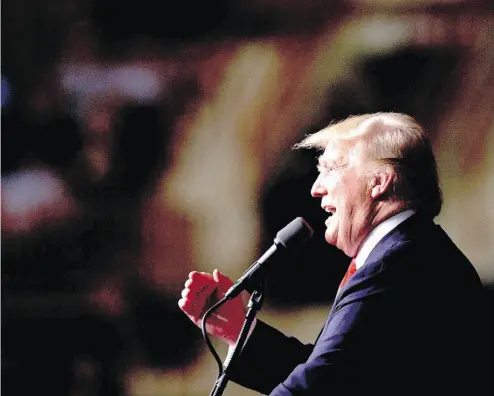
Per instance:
{"type": "Point", "coordinates": [345, 195]}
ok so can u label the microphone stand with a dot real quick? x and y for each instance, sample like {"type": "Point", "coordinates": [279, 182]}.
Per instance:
{"type": "Point", "coordinates": [253, 307]}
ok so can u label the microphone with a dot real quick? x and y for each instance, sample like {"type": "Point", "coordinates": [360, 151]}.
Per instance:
{"type": "Point", "coordinates": [292, 235]}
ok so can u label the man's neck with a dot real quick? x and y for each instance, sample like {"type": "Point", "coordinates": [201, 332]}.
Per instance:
{"type": "Point", "coordinates": [385, 211]}
{"type": "Point", "coordinates": [379, 232]}
{"type": "Point", "coordinates": [381, 213]}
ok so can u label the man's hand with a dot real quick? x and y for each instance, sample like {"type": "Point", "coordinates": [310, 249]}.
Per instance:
{"type": "Point", "coordinates": [200, 292]}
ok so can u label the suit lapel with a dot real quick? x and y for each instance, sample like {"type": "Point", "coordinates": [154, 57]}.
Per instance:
{"type": "Point", "coordinates": [399, 234]}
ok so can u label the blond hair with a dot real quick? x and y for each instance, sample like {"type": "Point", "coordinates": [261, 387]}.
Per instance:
{"type": "Point", "coordinates": [396, 139]}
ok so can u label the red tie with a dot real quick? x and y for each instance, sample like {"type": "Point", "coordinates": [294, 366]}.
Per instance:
{"type": "Point", "coordinates": [352, 268]}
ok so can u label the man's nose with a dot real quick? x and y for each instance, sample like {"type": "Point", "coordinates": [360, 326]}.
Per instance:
{"type": "Point", "coordinates": [318, 190]}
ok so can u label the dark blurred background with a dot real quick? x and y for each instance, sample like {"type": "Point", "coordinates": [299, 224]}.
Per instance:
{"type": "Point", "coordinates": [144, 140]}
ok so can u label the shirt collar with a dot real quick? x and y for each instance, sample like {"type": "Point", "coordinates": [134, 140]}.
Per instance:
{"type": "Point", "coordinates": [378, 233]}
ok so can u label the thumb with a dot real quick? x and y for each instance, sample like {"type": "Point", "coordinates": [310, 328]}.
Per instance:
{"type": "Point", "coordinates": [222, 280]}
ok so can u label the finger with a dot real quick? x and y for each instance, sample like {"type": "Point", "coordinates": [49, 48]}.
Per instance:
{"type": "Point", "coordinates": [185, 293]}
{"type": "Point", "coordinates": [201, 287]}
{"type": "Point", "coordinates": [222, 280]}
{"type": "Point", "coordinates": [195, 285]}
{"type": "Point", "coordinates": [201, 276]}
{"type": "Point", "coordinates": [181, 303]}
{"type": "Point", "coordinates": [189, 308]}
{"type": "Point", "coordinates": [185, 306]}
{"type": "Point", "coordinates": [198, 294]}
{"type": "Point", "coordinates": [191, 274]}
{"type": "Point", "coordinates": [198, 280]}
{"type": "Point", "coordinates": [195, 304]}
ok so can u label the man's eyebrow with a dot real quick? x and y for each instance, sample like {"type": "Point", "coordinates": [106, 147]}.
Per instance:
{"type": "Point", "coordinates": [326, 162]}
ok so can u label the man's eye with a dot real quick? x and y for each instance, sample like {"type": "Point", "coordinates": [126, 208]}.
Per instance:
{"type": "Point", "coordinates": [324, 169]}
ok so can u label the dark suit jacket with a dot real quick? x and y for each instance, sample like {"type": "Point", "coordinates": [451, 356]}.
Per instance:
{"type": "Point", "coordinates": [410, 321]}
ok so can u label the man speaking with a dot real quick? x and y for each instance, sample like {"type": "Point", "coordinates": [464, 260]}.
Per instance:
{"type": "Point", "coordinates": [407, 317]}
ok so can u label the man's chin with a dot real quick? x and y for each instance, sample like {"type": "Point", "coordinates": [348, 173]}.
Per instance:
{"type": "Point", "coordinates": [330, 238]}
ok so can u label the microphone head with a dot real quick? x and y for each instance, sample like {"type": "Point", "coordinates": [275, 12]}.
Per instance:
{"type": "Point", "coordinates": [294, 233]}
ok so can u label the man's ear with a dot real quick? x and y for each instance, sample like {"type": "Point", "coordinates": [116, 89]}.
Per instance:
{"type": "Point", "coordinates": [382, 182]}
